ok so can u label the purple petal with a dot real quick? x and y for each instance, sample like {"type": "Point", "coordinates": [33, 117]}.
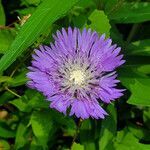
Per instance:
{"type": "Point", "coordinates": [108, 90]}
{"type": "Point", "coordinates": [41, 82]}
{"type": "Point", "coordinates": [86, 108]}
{"type": "Point", "coordinates": [60, 103]}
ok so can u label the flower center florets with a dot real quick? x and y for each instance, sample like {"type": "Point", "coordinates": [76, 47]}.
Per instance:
{"type": "Point", "coordinates": [77, 76]}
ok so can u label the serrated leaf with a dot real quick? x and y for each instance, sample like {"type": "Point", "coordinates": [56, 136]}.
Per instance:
{"type": "Point", "coordinates": [138, 84]}
{"type": "Point", "coordinates": [99, 22]}
{"type": "Point", "coordinates": [138, 97]}
{"type": "Point", "coordinates": [125, 140]}
{"type": "Point", "coordinates": [37, 100]}
{"type": "Point", "coordinates": [46, 13]}
{"type": "Point", "coordinates": [21, 105]}
{"type": "Point", "coordinates": [42, 126]}
{"type": "Point", "coordinates": [134, 12]}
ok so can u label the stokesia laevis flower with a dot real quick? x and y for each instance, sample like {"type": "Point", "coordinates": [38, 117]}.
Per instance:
{"type": "Point", "coordinates": [77, 72]}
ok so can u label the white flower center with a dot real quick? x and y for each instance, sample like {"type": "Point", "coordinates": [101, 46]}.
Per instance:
{"type": "Point", "coordinates": [77, 76]}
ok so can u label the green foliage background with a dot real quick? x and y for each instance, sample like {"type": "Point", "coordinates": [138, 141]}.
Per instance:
{"type": "Point", "coordinates": [26, 122]}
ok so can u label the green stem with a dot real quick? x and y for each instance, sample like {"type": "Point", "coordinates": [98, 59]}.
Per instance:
{"type": "Point", "coordinates": [77, 132]}
{"type": "Point", "coordinates": [132, 33]}
{"type": "Point", "coordinates": [12, 92]}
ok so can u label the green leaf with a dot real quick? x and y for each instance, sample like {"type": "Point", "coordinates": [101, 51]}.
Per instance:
{"type": "Point", "coordinates": [48, 12]}
{"type": "Point", "coordinates": [79, 21]}
{"type": "Point", "coordinates": [139, 48]}
{"type": "Point", "coordinates": [86, 4]}
{"type": "Point", "coordinates": [21, 105]}
{"type": "Point", "coordinates": [125, 140]}
{"type": "Point", "coordinates": [99, 22]}
{"type": "Point", "coordinates": [6, 133]}
{"type": "Point", "coordinates": [77, 147]}
{"type": "Point", "coordinates": [6, 37]}
{"type": "Point", "coordinates": [139, 132]}
{"type": "Point", "coordinates": [131, 12]}
{"type": "Point", "coordinates": [42, 126]}
{"type": "Point", "coordinates": [66, 123]}
{"type": "Point", "coordinates": [144, 69]}
{"type": "Point", "coordinates": [30, 100]}
{"type": "Point", "coordinates": [35, 145]}
{"type": "Point", "coordinates": [5, 78]}
{"type": "Point", "coordinates": [87, 135]}
{"type": "Point", "coordinates": [31, 2]}
{"type": "Point", "coordinates": [4, 145]}
{"type": "Point", "coordinates": [109, 5]}
{"type": "Point", "coordinates": [19, 79]}
{"type": "Point", "coordinates": [138, 84]}
{"type": "Point", "coordinates": [146, 117]}
{"type": "Point", "coordinates": [116, 35]}
{"type": "Point", "coordinates": [5, 97]}
{"type": "Point", "coordinates": [85, 129]}
{"type": "Point", "coordinates": [69, 126]}
{"type": "Point", "coordinates": [21, 136]}
{"type": "Point", "coordinates": [2, 14]}
{"type": "Point", "coordinates": [108, 129]}
{"type": "Point", "coordinates": [25, 12]}
{"type": "Point", "coordinates": [36, 100]}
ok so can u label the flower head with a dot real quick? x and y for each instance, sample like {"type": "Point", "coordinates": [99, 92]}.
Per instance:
{"type": "Point", "coordinates": [77, 72]}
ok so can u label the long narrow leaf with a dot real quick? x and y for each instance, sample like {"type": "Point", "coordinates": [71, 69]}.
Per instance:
{"type": "Point", "coordinates": [48, 12]}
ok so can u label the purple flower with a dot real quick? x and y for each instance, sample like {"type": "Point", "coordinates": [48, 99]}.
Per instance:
{"type": "Point", "coordinates": [77, 72]}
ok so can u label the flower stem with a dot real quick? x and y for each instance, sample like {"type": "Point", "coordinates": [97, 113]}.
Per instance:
{"type": "Point", "coordinates": [77, 132]}
{"type": "Point", "coordinates": [12, 92]}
